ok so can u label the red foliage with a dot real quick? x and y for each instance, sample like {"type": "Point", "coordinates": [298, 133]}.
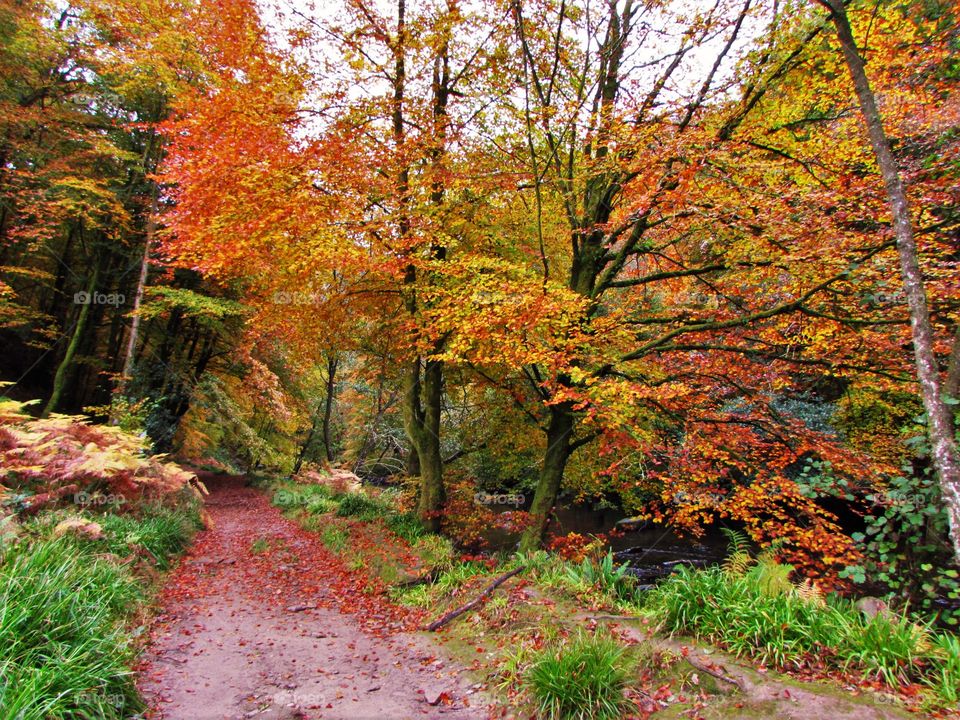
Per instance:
{"type": "Point", "coordinates": [47, 455]}
{"type": "Point", "coordinates": [574, 546]}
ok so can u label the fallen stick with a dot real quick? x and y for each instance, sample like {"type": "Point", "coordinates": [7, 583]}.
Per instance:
{"type": "Point", "coordinates": [715, 673]}
{"type": "Point", "coordinates": [453, 614]}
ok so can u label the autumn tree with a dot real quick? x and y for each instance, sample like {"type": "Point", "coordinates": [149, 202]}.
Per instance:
{"type": "Point", "coordinates": [939, 417]}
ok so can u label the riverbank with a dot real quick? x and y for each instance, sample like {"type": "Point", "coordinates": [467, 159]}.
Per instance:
{"type": "Point", "coordinates": [516, 634]}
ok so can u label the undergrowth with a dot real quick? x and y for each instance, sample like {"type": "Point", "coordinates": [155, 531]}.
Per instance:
{"type": "Point", "coordinates": [66, 641]}
{"type": "Point", "coordinates": [781, 628]}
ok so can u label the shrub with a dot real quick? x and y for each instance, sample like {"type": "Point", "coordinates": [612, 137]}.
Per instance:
{"type": "Point", "coordinates": [45, 455]}
{"type": "Point", "coordinates": [603, 575]}
{"type": "Point", "coordinates": [582, 679]}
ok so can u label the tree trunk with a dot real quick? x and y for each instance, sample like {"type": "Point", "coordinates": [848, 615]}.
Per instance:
{"type": "Point", "coordinates": [951, 385]}
{"type": "Point", "coordinates": [131, 348]}
{"type": "Point", "coordinates": [63, 370]}
{"type": "Point", "coordinates": [559, 436]}
{"type": "Point", "coordinates": [332, 362]}
{"type": "Point", "coordinates": [939, 419]}
{"type": "Point", "coordinates": [413, 462]}
{"type": "Point", "coordinates": [422, 408]}
{"type": "Point", "coordinates": [301, 456]}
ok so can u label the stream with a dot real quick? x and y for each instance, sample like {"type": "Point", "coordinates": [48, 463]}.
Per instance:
{"type": "Point", "coordinates": [652, 552]}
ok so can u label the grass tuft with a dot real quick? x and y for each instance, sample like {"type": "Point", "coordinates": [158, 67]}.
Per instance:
{"type": "Point", "coordinates": [582, 679]}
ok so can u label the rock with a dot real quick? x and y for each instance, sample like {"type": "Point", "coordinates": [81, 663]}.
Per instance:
{"type": "Point", "coordinates": [80, 527]}
{"type": "Point", "coordinates": [872, 606]}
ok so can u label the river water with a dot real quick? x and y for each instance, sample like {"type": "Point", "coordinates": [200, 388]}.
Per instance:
{"type": "Point", "coordinates": [652, 551]}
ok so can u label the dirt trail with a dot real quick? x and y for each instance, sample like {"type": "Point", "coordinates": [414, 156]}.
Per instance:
{"type": "Point", "coordinates": [258, 621]}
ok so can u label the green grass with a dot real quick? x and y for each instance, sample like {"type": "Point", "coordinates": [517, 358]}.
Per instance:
{"type": "Point", "coordinates": [944, 678]}
{"type": "Point", "coordinates": [335, 538]}
{"type": "Point", "coordinates": [162, 532]}
{"type": "Point", "coordinates": [63, 651]}
{"type": "Point", "coordinates": [407, 526]}
{"type": "Point", "coordinates": [583, 678]}
{"type": "Point", "coordinates": [740, 613]}
{"type": "Point", "coordinates": [66, 647]}
{"type": "Point", "coordinates": [259, 546]}
{"type": "Point", "coordinates": [362, 508]}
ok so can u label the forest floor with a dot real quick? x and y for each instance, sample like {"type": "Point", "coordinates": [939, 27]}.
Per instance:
{"type": "Point", "coordinates": [261, 620]}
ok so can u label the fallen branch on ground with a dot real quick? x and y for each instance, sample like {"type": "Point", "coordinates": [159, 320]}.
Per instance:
{"type": "Point", "coordinates": [453, 614]}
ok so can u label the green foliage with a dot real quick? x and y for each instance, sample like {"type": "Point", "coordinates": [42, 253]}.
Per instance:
{"type": "Point", "coordinates": [259, 546]}
{"type": "Point", "coordinates": [769, 576]}
{"type": "Point", "coordinates": [905, 543]}
{"type": "Point", "coordinates": [785, 628]}
{"type": "Point", "coordinates": [335, 538]}
{"type": "Point", "coordinates": [362, 507]}
{"type": "Point", "coordinates": [944, 677]}
{"type": "Point", "coordinates": [434, 551]}
{"type": "Point", "coordinates": [738, 560]}
{"type": "Point", "coordinates": [160, 531]}
{"type": "Point", "coordinates": [406, 525]}
{"type": "Point", "coordinates": [418, 596]}
{"type": "Point", "coordinates": [604, 576]}
{"type": "Point", "coordinates": [65, 650]}
{"type": "Point", "coordinates": [210, 312]}
{"type": "Point", "coordinates": [887, 647]}
{"type": "Point", "coordinates": [581, 679]}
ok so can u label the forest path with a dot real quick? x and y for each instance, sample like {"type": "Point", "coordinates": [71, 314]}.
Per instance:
{"type": "Point", "coordinates": [261, 620]}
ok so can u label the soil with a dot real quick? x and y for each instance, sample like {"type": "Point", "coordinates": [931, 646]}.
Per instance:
{"type": "Point", "coordinates": [261, 620]}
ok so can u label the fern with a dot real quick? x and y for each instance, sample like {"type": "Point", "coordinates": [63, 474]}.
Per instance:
{"type": "Point", "coordinates": [808, 592]}
{"type": "Point", "coordinates": [770, 577]}
{"type": "Point", "coordinates": [738, 539]}
{"type": "Point", "coordinates": [738, 564]}
{"type": "Point", "coordinates": [739, 561]}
